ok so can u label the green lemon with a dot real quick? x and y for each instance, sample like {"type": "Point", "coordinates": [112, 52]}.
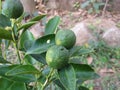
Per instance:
{"type": "Point", "coordinates": [65, 38]}
{"type": "Point", "coordinates": [12, 8]}
{"type": "Point", "coordinates": [57, 57]}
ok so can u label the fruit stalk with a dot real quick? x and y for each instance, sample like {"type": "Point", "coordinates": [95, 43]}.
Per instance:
{"type": "Point", "coordinates": [47, 79]}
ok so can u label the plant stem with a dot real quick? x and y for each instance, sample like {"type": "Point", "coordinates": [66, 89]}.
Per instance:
{"type": "Point", "coordinates": [103, 12]}
{"type": "Point", "coordinates": [18, 54]}
{"type": "Point", "coordinates": [15, 41]}
{"type": "Point", "coordinates": [34, 85]}
{"type": "Point", "coordinates": [16, 47]}
{"type": "Point", "coordinates": [47, 79]}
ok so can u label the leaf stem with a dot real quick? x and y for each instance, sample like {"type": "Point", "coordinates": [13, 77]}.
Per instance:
{"type": "Point", "coordinates": [47, 79]}
{"type": "Point", "coordinates": [16, 48]}
{"type": "Point", "coordinates": [18, 53]}
{"type": "Point", "coordinates": [15, 42]}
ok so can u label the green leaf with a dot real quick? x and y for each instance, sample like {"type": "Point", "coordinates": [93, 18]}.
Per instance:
{"type": "Point", "coordinates": [29, 60]}
{"type": "Point", "coordinates": [67, 77]}
{"type": "Point", "coordinates": [27, 25]}
{"type": "Point", "coordinates": [4, 21]}
{"type": "Point", "coordinates": [28, 44]}
{"type": "Point", "coordinates": [19, 78]}
{"type": "Point", "coordinates": [59, 84]}
{"type": "Point", "coordinates": [3, 61]}
{"type": "Point", "coordinates": [96, 6]}
{"type": "Point", "coordinates": [26, 78]}
{"type": "Point", "coordinates": [83, 51]}
{"type": "Point", "coordinates": [85, 4]}
{"type": "Point", "coordinates": [44, 75]}
{"type": "Point", "coordinates": [42, 44]}
{"type": "Point", "coordinates": [78, 51]}
{"type": "Point", "coordinates": [4, 84]}
{"type": "Point", "coordinates": [17, 86]}
{"type": "Point", "coordinates": [75, 50]}
{"type": "Point", "coordinates": [10, 85]}
{"type": "Point", "coordinates": [42, 79]}
{"type": "Point", "coordinates": [40, 58]}
{"type": "Point", "coordinates": [22, 69]}
{"type": "Point", "coordinates": [37, 18]}
{"type": "Point", "coordinates": [4, 34]}
{"type": "Point", "coordinates": [31, 22]}
{"type": "Point", "coordinates": [76, 59]}
{"type": "Point", "coordinates": [83, 88]}
{"type": "Point", "coordinates": [84, 72]}
{"type": "Point", "coordinates": [46, 71]}
{"type": "Point", "coordinates": [5, 68]}
{"type": "Point", "coordinates": [52, 24]}
{"type": "Point", "coordinates": [27, 36]}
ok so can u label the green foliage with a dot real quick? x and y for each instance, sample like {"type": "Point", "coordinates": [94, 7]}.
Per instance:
{"type": "Point", "coordinates": [4, 21]}
{"type": "Point", "coordinates": [67, 77]}
{"type": "Point", "coordinates": [4, 34]}
{"type": "Point", "coordinates": [51, 26]}
{"type": "Point", "coordinates": [84, 72]}
{"type": "Point", "coordinates": [26, 37]}
{"type": "Point", "coordinates": [92, 6]}
{"type": "Point", "coordinates": [40, 45]}
{"type": "Point", "coordinates": [31, 72]}
{"type": "Point", "coordinates": [22, 69]}
{"type": "Point", "coordinates": [6, 84]}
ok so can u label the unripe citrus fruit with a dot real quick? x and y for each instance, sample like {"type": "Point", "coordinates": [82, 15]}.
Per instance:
{"type": "Point", "coordinates": [57, 57]}
{"type": "Point", "coordinates": [65, 38]}
{"type": "Point", "coordinates": [12, 8]}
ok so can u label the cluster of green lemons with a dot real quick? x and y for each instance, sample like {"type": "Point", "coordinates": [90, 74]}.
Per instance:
{"type": "Point", "coordinates": [57, 56]}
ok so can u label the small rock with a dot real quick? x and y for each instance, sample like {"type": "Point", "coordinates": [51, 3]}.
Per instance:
{"type": "Point", "coordinates": [112, 37]}
{"type": "Point", "coordinates": [83, 36]}
{"type": "Point", "coordinates": [110, 33]}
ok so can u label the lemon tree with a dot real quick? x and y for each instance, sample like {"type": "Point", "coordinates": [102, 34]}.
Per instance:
{"type": "Point", "coordinates": [47, 61]}
{"type": "Point", "coordinates": [65, 38]}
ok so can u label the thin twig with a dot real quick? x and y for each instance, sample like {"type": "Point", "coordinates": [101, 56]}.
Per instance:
{"type": "Point", "coordinates": [47, 80]}
{"type": "Point", "coordinates": [15, 42]}
{"type": "Point", "coordinates": [104, 9]}
{"type": "Point", "coordinates": [18, 53]}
